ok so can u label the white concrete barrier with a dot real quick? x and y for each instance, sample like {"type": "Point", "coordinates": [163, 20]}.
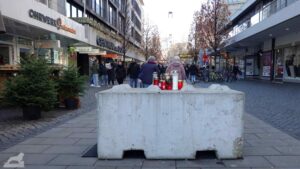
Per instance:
{"type": "Point", "coordinates": [170, 124]}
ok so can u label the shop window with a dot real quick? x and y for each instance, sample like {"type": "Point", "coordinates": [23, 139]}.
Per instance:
{"type": "Point", "coordinates": [279, 64]}
{"type": "Point", "coordinates": [292, 62]}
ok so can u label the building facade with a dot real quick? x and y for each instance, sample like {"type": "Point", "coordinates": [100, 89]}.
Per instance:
{"type": "Point", "coordinates": [264, 40]}
{"type": "Point", "coordinates": [51, 28]}
{"type": "Point", "coordinates": [235, 5]}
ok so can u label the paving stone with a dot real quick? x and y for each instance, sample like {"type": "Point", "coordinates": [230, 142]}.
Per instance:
{"type": "Point", "coordinates": [271, 136]}
{"type": "Point", "coordinates": [72, 160]}
{"type": "Point", "coordinates": [86, 141]}
{"type": "Point", "coordinates": [80, 167]}
{"type": "Point", "coordinates": [258, 151]}
{"type": "Point", "coordinates": [36, 159]}
{"type": "Point", "coordinates": [251, 137]}
{"type": "Point", "coordinates": [53, 134]}
{"type": "Point", "coordinates": [199, 163]}
{"type": "Point", "coordinates": [158, 163]}
{"type": "Point", "coordinates": [120, 163]}
{"type": "Point", "coordinates": [248, 161]}
{"type": "Point", "coordinates": [43, 167]}
{"type": "Point", "coordinates": [126, 168]}
{"type": "Point", "coordinates": [66, 149]}
{"type": "Point", "coordinates": [51, 141]}
{"type": "Point", "coordinates": [27, 149]}
{"type": "Point", "coordinates": [158, 167]}
{"type": "Point", "coordinates": [289, 150]}
{"type": "Point", "coordinates": [83, 135]}
{"type": "Point", "coordinates": [284, 161]}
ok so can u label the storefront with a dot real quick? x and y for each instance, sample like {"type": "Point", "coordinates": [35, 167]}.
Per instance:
{"type": "Point", "coordinates": [266, 65]}
{"type": "Point", "coordinates": [36, 29]}
{"type": "Point", "coordinates": [252, 66]}
{"type": "Point", "coordinates": [287, 64]}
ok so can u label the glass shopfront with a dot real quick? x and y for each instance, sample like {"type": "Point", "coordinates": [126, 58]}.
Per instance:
{"type": "Point", "coordinates": [279, 64]}
{"type": "Point", "coordinates": [292, 63]}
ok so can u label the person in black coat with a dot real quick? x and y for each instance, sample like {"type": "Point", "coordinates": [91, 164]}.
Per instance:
{"type": "Point", "coordinates": [120, 73]}
{"type": "Point", "coordinates": [133, 72]}
{"type": "Point", "coordinates": [193, 70]}
{"type": "Point", "coordinates": [110, 66]}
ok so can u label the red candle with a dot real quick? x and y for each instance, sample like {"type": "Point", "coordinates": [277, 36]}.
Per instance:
{"type": "Point", "coordinates": [155, 82]}
{"type": "Point", "coordinates": [180, 84]}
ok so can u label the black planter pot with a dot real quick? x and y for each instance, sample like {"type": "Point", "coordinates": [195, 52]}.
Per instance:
{"type": "Point", "coordinates": [71, 104]}
{"type": "Point", "coordinates": [31, 112]}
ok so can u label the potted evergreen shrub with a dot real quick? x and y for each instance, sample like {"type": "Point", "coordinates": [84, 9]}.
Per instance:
{"type": "Point", "coordinates": [71, 86]}
{"type": "Point", "coordinates": [32, 88]}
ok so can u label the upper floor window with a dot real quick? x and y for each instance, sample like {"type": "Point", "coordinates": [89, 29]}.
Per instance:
{"type": "Point", "coordinates": [98, 7]}
{"type": "Point", "coordinates": [68, 9]}
{"type": "Point", "coordinates": [93, 5]}
{"type": "Point", "coordinates": [74, 11]}
{"type": "Point", "coordinates": [112, 16]}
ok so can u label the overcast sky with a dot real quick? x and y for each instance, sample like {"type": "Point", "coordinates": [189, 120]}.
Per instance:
{"type": "Point", "coordinates": [157, 11]}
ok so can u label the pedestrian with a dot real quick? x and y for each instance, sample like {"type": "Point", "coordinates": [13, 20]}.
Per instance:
{"type": "Point", "coordinates": [95, 75]}
{"type": "Point", "coordinates": [147, 70]}
{"type": "Point", "coordinates": [133, 72]}
{"type": "Point", "coordinates": [110, 72]}
{"type": "Point", "coordinates": [186, 68]}
{"type": "Point", "coordinates": [175, 64]}
{"type": "Point", "coordinates": [193, 70]}
{"type": "Point", "coordinates": [120, 73]}
{"type": "Point", "coordinates": [235, 71]}
{"type": "Point", "coordinates": [103, 74]}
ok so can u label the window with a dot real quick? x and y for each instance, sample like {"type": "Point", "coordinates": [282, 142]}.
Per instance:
{"type": "Point", "coordinates": [112, 16]}
{"type": "Point", "coordinates": [80, 13]}
{"type": "Point", "coordinates": [74, 12]}
{"type": "Point", "coordinates": [68, 9]}
{"type": "Point", "coordinates": [98, 7]}
{"type": "Point", "coordinates": [121, 23]}
{"type": "Point", "coordinates": [93, 5]}
{"type": "Point", "coordinates": [102, 8]}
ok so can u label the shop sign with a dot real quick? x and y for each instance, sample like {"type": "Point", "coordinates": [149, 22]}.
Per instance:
{"type": "Point", "coordinates": [109, 45]}
{"type": "Point", "coordinates": [51, 21]}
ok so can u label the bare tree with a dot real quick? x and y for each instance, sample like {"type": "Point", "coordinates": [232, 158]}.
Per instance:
{"type": "Point", "coordinates": [126, 28]}
{"type": "Point", "coordinates": [155, 46]}
{"type": "Point", "coordinates": [208, 25]}
{"type": "Point", "coordinates": [147, 29]}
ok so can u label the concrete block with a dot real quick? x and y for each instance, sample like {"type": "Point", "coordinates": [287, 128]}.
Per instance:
{"type": "Point", "coordinates": [170, 124]}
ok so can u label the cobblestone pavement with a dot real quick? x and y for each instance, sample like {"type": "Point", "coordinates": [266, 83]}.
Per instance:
{"type": "Point", "coordinates": [14, 129]}
{"type": "Point", "coordinates": [276, 104]}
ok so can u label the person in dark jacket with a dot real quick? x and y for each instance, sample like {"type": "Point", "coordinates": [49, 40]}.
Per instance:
{"type": "Point", "coordinates": [193, 70]}
{"type": "Point", "coordinates": [133, 72]}
{"type": "Point", "coordinates": [146, 74]}
{"type": "Point", "coordinates": [120, 73]}
{"type": "Point", "coordinates": [103, 74]}
{"type": "Point", "coordinates": [110, 72]}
